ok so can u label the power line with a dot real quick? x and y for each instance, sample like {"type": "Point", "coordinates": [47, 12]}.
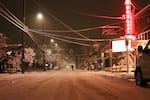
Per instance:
{"type": "Point", "coordinates": [58, 20]}
{"type": "Point", "coordinates": [54, 36]}
{"type": "Point", "coordinates": [98, 16]}
{"type": "Point", "coordinates": [68, 37]}
{"type": "Point", "coordinates": [78, 30]}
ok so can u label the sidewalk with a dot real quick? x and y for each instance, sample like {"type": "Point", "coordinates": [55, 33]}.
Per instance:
{"type": "Point", "coordinates": [123, 75]}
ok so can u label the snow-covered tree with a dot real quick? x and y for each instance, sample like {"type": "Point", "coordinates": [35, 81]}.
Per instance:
{"type": "Point", "coordinates": [29, 55]}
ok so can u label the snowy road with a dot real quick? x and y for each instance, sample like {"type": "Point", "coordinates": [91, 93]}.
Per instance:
{"type": "Point", "coordinates": [69, 85]}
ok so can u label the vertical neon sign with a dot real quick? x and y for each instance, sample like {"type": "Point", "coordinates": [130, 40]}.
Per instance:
{"type": "Point", "coordinates": [129, 21]}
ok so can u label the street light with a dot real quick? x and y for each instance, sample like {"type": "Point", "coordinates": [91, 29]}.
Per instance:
{"type": "Point", "coordinates": [52, 40]}
{"type": "Point", "coordinates": [40, 18]}
{"type": "Point", "coordinates": [56, 44]}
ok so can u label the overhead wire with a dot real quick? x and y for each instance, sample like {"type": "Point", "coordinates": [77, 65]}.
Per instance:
{"type": "Point", "coordinates": [9, 18]}
{"type": "Point", "coordinates": [58, 20]}
{"type": "Point", "coordinates": [12, 22]}
{"type": "Point", "coordinates": [54, 36]}
{"type": "Point", "coordinates": [15, 21]}
{"type": "Point", "coordinates": [98, 16]}
{"type": "Point", "coordinates": [48, 35]}
{"type": "Point", "coordinates": [78, 30]}
{"type": "Point", "coordinates": [91, 28]}
{"type": "Point", "coordinates": [4, 12]}
{"type": "Point", "coordinates": [73, 38]}
{"type": "Point", "coordinates": [10, 15]}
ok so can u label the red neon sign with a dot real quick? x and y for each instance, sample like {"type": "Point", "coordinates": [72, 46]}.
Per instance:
{"type": "Point", "coordinates": [129, 21]}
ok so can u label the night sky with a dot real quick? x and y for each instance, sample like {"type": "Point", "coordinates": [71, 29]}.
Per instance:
{"type": "Point", "coordinates": [68, 11]}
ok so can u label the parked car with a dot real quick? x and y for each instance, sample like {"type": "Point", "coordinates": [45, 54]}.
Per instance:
{"type": "Point", "coordinates": [48, 66]}
{"type": "Point", "coordinates": [142, 72]}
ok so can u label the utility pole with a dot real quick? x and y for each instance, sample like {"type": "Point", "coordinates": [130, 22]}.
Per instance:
{"type": "Point", "coordinates": [110, 57]}
{"type": "Point", "coordinates": [44, 56]}
{"type": "Point", "coordinates": [24, 19]}
{"type": "Point", "coordinates": [127, 55]}
{"type": "Point", "coordinates": [129, 26]}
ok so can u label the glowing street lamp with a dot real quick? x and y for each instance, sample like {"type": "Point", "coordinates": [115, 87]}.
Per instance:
{"type": "Point", "coordinates": [52, 40]}
{"type": "Point", "coordinates": [39, 16]}
{"type": "Point", "coordinates": [56, 45]}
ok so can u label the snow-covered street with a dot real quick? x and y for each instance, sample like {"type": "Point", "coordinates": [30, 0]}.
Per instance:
{"type": "Point", "coordinates": [69, 85]}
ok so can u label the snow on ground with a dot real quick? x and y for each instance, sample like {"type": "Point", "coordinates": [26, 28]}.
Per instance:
{"type": "Point", "coordinates": [69, 85]}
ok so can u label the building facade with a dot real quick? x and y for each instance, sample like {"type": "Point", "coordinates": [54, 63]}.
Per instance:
{"type": "Point", "coordinates": [142, 23]}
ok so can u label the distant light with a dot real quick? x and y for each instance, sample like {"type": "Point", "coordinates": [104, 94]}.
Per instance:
{"type": "Point", "coordinates": [52, 40]}
{"type": "Point", "coordinates": [56, 44]}
{"type": "Point", "coordinates": [9, 52]}
{"type": "Point", "coordinates": [39, 16]}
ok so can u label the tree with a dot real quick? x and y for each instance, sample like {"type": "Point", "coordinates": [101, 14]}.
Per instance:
{"type": "Point", "coordinates": [29, 55]}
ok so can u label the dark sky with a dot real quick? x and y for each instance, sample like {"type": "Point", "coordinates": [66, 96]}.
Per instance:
{"type": "Point", "coordinates": [67, 11]}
